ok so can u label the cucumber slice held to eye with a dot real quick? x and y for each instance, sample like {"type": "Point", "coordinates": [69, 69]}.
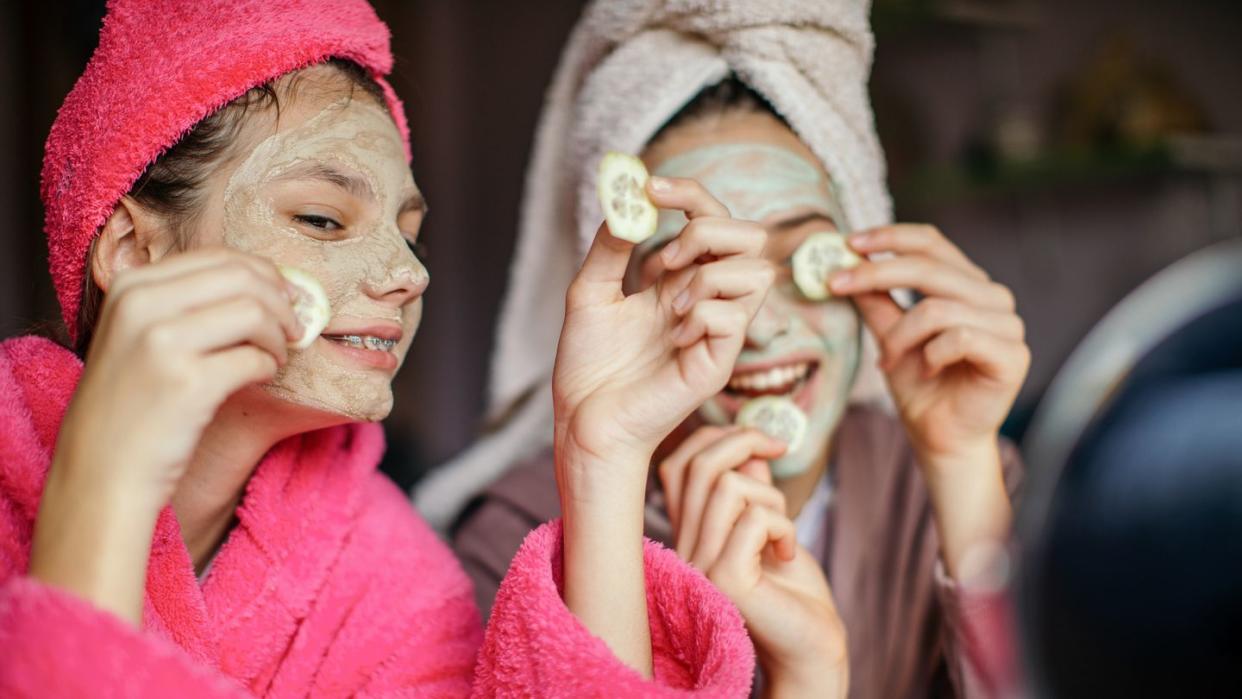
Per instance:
{"type": "Point", "coordinates": [310, 305]}
{"type": "Point", "coordinates": [622, 195]}
{"type": "Point", "coordinates": [816, 259]}
{"type": "Point", "coordinates": [776, 416]}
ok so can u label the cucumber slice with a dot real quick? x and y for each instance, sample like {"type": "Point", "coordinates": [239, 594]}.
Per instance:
{"type": "Point", "coordinates": [777, 417]}
{"type": "Point", "coordinates": [310, 305]}
{"type": "Point", "coordinates": [620, 185]}
{"type": "Point", "coordinates": [816, 259]}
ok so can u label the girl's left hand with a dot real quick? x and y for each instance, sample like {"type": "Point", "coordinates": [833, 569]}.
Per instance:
{"type": "Point", "coordinates": [956, 360]}
{"type": "Point", "coordinates": [954, 364]}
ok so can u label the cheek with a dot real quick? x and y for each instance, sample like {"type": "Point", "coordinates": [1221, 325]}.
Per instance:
{"type": "Point", "coordinates": [208, 230]}
{"type": "Point", "coordinates": [411, 318]}
{"type": "Point", "coordinates": [834, 321]}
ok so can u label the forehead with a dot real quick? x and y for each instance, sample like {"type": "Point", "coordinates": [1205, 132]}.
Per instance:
{"type": "Point", "coordinates": [752, 162]}
{"type": "Point", "coordinates": [351, 126]}
{"type": "Point", "coordinates": [326, 130]}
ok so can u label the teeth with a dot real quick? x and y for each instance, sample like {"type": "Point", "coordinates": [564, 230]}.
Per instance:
{"type": "Point", "coordinates": [769, 379]}
{"type": "Point", "coordinates": [366, 342]}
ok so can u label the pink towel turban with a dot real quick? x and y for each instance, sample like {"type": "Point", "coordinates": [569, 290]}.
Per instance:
{"type": "Point", "coordinates": [160, 68]}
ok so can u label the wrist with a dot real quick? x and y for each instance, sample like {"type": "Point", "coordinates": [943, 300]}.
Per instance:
{"type": "Point", "coordinates": [109, 487]}
{"type": "Point", "coordinates": [969, 501]}
{"type": "Point", "coordinates": [93, 542]}
{"type": "Point", "coordinates": [967, 459]}
{"type": "Point", "coordinates": [818, 668]}
{"type": "Point", "coordinates": [592, 469]}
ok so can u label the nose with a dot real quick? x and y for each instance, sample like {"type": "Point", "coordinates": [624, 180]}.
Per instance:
{"type": "Point", "coordinates": [769, 323]}
{"type": "Point", "coordinates": [400, 281]}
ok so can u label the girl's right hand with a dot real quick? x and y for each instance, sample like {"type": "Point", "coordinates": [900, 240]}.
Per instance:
{"type": "Point", "coordinates": [175, 339]}
{"type": "Point", "coordinates": [730, 522]}
{"type": "Point", "coordinates": [630, 368]}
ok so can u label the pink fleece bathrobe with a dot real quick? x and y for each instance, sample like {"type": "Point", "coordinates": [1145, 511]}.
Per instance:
{"type": "Point", "coordinates": [329, 585]}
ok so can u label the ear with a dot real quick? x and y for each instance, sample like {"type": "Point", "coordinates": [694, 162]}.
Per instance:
{"type": "Point", "coordinates": [131, 237]}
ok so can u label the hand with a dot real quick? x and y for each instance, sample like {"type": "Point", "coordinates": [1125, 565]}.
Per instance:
{"type": "Point", "coordinates": [956, 360]}
{"type": "Point", "coordinates": [954, 364]}
{"type": "Point", "coordinates": [629, 369]}
{"type": "Point", "coordinates": [175, 339]}
{"type": "Point", "coordinates": [730, 522]}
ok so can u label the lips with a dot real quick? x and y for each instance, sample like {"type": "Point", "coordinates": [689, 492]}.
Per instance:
{"type": "Point", "coordinates": [794, 377]}
{"type": "Point", "coordinates": [777, 380]}
{"type": "Point", "coordinates": [371, 345]}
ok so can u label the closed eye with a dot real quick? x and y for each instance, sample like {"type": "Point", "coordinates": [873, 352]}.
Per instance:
{"type": "Point", "coordinates": [323, 223]}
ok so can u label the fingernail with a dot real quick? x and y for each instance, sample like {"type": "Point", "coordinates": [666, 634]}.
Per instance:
{"type": "Point", "coordinates": [679, 303]}
{"type": "Point", "coordinates": [859, 240]}
{"type": "Point", "coordinates": [669, 252]}
{"type": "Point", "coordinates": [660, 184]}
{"type": "Point", "coordinates": [840, 281]}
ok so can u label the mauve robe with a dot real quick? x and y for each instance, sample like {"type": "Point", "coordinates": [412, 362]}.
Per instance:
{"type": "Point", "coordinates": [905, 618]}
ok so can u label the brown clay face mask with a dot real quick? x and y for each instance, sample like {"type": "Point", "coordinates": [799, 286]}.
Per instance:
{"type": "Point", "coordinates": [325, 197]}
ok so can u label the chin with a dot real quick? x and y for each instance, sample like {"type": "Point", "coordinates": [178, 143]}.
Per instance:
{"type": "Point", "coordinates": [333, 409]}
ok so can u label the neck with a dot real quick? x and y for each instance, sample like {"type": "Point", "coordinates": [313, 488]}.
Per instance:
{"type": "Point", "coordinates": [245, 428]}
{"type": "Point", "coordinates": [798, 489]}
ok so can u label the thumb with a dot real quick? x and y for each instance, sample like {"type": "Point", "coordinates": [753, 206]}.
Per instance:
{"type": "Point", "coordinates": [603, 270]}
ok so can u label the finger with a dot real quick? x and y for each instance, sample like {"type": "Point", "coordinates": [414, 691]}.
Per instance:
{"type": "Point", "coordinates": [879, 312]}
{"type": "Point", "coordinates": [684, 195]}
{"type": "Point", "coordinates": [241, 279]}
{"type": "Point", "coordinates": [713, 237]}
{"type": "Point", "coordinates": [932, 316]}
{"type": "Point", "coordinates": [738, 567]}
{"type": "Point", "coordinates": [599, 279]}
{"type": "Point", "coordinates": [140, 304]}
{"type": "Point", "coordinates": [237, 367]}
{"type": "Point", "coordinates": [1002, 360]}
{"type": "Point", "coordinates": [229, 323]}
{"type": "Point", "coordinates": [729, 498]}
{"type": "Point", "coordinates": [705, 467]}
{"type": "Point", "coordinates": [931, 277]}
{"type": "Point", "coordinates": [747, 279]}
{"type": "Point", "coordinates": [672, 470]}
{"type": "Point", "coordinates": [915, 239]}
{"type": "Point", "coordinates": [757, 469]}
{"type": "Point", "coordinates": [719, 324]}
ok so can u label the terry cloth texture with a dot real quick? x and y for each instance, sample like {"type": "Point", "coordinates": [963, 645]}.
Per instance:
{"type": "Point", "coordinates": [630, 66]}
{"type": "Point", "coordinates": [161, 67]}
{"type": "Point", "coordinates": [329, 585]}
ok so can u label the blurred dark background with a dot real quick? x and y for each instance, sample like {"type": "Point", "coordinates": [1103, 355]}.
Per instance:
{"type": "Point", "coordinates": [1071, 148]}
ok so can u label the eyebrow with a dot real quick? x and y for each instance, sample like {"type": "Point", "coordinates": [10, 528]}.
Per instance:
{"type": "Point", "coordinates": [351, 183]}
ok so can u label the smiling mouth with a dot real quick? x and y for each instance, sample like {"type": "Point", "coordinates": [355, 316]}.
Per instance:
{"type": "Point", "coordinates": [782, 380]}
{"type": "Point", "coordinates": [365, 342]}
